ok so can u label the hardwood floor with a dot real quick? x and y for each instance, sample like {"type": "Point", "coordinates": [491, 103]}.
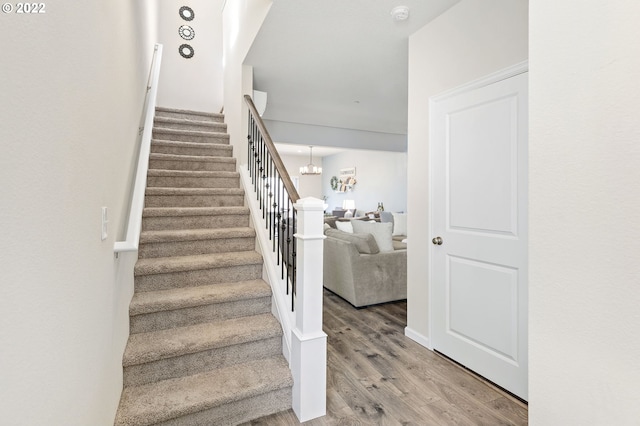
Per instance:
{"type": "Point", "coordinates": [377, 376]}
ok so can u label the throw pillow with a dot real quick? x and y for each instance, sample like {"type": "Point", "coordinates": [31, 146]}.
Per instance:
{"type": "Point", "coordinates": [345, 226]}
{"type": "Point", "coordinates": [364, 243]}
{"type": "Point", "coordinates": [399, 224]}
{"type": "Point", "coordinates": [381, 233]}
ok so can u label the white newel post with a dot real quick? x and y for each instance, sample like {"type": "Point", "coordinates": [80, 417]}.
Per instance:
{"type": "Point", "coordinates": [308, 341]}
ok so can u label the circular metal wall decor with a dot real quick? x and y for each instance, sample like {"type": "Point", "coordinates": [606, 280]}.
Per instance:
{"type": "Point", "coordinates": [186, 32]}
{"type": "Point", "coordinates": [186, 13]}
{"type": "Point", "coordinates": [186, 51]}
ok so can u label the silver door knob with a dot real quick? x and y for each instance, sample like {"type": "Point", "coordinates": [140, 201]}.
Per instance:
{"type": "Point", "coordinates": [437, 241]}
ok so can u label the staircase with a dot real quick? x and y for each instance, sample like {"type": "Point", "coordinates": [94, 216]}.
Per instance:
{"type": "Point", "coordinates": [204, 348]}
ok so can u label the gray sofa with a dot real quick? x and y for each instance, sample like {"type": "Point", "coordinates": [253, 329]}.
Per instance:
{"type": "Point", "coordinates": [357, 271]}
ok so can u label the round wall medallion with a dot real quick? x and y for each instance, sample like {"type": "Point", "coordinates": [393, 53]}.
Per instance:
{"type": "Point", "coordinates": [186, 32]}
{"type": "Point", "coordinates": [186, 51]}
{"type": "Point", "coordinates": [186, 13]}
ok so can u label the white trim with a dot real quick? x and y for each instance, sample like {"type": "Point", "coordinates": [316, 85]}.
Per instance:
{"type": "Point", "coordinates": [417, 337]}
{"type": "Point", "coordinates": [309, 237]}
{"type": "Point", "coordinates": [495, 77]}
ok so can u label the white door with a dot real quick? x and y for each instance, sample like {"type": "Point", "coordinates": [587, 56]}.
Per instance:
{"type": "Point", "coordinates": [479, 229]}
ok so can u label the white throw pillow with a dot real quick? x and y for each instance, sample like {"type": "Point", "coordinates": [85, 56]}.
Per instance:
{"type": "Point", "coordinates": [399, 224]}
{"type": "Point", "coordinates": [381, 233]}
{"type": "Point", "coordinates": [344, 226]}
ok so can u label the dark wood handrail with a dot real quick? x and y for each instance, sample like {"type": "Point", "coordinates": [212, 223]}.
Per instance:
{"type": "Point", "coordinates": [282, 170]}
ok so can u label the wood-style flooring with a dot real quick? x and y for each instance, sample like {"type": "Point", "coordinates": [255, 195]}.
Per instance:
{"type": "Point", "coordinates": [377, 376]}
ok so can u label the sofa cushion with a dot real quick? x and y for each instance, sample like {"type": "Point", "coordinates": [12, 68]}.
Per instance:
{"type": "Point", "coordinates": [364, 243]}
{"type": "Point", "coordinates": [399, 224]}
{"type": "Point", "coordinates": [331, 221]}
{"type": "Point", "coordinates": [381, 233]}
{"type": "Point", "coordinates": [399, 245]}
{"type": "Point", "coordinates": [345, 226]}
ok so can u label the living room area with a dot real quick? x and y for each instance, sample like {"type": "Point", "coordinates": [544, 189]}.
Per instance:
{"type": "Point", "coordinates": [365, 250]}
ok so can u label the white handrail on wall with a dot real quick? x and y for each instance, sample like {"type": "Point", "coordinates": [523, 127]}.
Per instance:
{"type": "Point", "coordinates": [137, 198]}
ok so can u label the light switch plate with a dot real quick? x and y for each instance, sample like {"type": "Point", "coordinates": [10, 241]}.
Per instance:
{"type": "Point", "coordinates": [105, 221]}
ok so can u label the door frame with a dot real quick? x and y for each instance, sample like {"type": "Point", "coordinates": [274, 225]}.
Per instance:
{"type": "Point", "coordinates": [503, 74]}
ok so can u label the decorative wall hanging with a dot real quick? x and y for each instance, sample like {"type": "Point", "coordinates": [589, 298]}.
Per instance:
{"type": "Point", "coordinates": [186, 51]}
{"type": "Point", "coordinates": [186, 13]}
{"type": "Point", "coordinates": [346, 182]}
{"type": "Point", "coordinates": [334, 183]}
{"type": "Point", "coordinates": [186, 32]}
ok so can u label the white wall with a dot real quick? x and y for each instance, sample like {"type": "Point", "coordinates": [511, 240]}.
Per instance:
{"type": "Point", "coordinates": [73, 84]}
{"type": "Point", "coordinates": [381, 176]}
{"type": "Point", "coordinates": [472, 39]}
{"type": "Point", "coordinates": [585, 213]}
{"type": "Point", "coordinates": [194, 83]}
{"type": "Point", "coordinates": [308, 186]}
{"type": "Point", "coordinates": [247, 15]}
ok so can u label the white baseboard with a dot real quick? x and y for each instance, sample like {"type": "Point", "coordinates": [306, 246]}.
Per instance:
{"type": "Point", "coordinates": [417, 337]}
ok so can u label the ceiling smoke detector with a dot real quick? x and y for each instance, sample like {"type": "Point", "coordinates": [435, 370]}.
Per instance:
{"type": "Point", "coordinates": [400, 13]}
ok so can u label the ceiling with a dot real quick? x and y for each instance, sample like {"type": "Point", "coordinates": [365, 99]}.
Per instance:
{"type": "Point", "coordinates": [303, 150]}
{"type": "Point", "coordinates": [338, 63]}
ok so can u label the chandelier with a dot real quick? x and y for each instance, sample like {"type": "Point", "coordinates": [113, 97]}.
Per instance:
{"type": "Point", "coordinates": [310, 169]}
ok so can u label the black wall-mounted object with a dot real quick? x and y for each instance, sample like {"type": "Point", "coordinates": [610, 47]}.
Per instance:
{"type": "Point", "coordinates": [186, 51]}
{"type": "Point", "coordinates": [186, 13]}
{"type": "Point", "coordinates": [186, 32]}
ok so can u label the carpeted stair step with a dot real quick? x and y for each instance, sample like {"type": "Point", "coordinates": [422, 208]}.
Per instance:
{"type": "Point", "coordinates": [193, 197]}
{"type": "Point", "coordinates": [159, 310]}
{"type": "Point", "coordinates": [158, 218]}
{"type": "Point", "coordinates": [192, 179]}
{"type": "Point", "coordinates": [189, 124]}
{"type": "Point", "coordinates": [186, 242]}
{"type": "Point", "coordinates": [162, 273]}
{"type": "Point", "coordinates": [225, 396]}
{"type": "Point", "coordinates": [191, 148]}
{"type": "Point", "coordinates": [189, 115]}
{"type": "Point", "coordinates": [192, 162]}
{"type": "Point", "coordinates": [183, 351]}
{"type": "Point", "coordinates": [160, 133]}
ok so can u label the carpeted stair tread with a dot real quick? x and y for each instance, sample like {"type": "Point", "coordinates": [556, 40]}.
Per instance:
{"type": "Point", "coordinates": [180, 144]}
{"type": "Point", "coordinates": [192, 173]}
{"type": "Point", "coordinates": [168, 121]}
{"type": "Point", "coordinates": [188, 112]}
{"type": "Point", "coordinates": [155, 345]}
{"type": "Point", "coordinates": [198, 158]}
{"type": "Point", "coordinates": [173, 398]}
{"type": "Point", "coordinates": [195, 234]}
{"type": "Point", "coordinates": [193, 211]}
{"type": "Point", "coordinates": [163, 265]}
{"type": "Point", "coordinates": [196, 133]}
{"type": "Point", "coordinates": [154, 191]}
{"type": "Point", "coordinates": [165, 300]}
